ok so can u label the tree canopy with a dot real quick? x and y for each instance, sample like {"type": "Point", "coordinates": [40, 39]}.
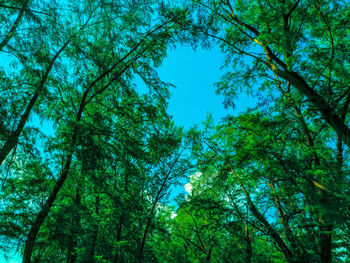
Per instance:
{"type": "Point", "coordinates": [90, 157]}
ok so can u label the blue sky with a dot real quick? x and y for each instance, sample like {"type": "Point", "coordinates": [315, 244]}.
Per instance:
{"type": "Point", "coordinates": [194, 74]}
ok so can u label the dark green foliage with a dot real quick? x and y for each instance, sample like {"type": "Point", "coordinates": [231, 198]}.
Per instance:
{"type": "Point", "coordinates": [89, 157]}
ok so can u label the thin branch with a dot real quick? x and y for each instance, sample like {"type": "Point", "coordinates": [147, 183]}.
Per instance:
{"type": "Point", "coordinates": [24, 9]}
{"type": "Point", "coordinates": [14, 26]}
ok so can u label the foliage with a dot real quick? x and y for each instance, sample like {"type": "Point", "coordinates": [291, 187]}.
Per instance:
{"type": "Point", "coordinates": [90, 158]}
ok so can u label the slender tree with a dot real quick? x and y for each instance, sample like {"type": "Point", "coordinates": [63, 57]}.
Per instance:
{"type": "Point", "coordinates": [299, 42]}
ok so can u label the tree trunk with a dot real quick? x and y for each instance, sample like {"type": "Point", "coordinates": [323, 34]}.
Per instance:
{"type": "Point", "coordinates": [325, 239]}
{"type": "Point", "coordinates": [327, 112]}
{"type": "Point", "coordinates": [271, 231]}
{"type": "Point", "coordinates": [12, 140]}
{"type": "Point", "coordinates": [249, 248]}
{"type": "Point", "coordinates": [280, 68]}
{"type": "Point", "coordinates": [91, 253]}
{"type": "Point", "coordinates": [71, 254]}
{"type": "Point", "coordinates": [158, 196]}
{"type": "Point", "coordinates": [119, 236]}
{"type": "Point", "coordinates": [34, 230]}
{"type": "Point", "coordinates": [144, 240]}
{"type": "Point", "coordinates": [208, 255]}
{"type": "Point", "coordinates": [325, 229]}
{"type": "Point", "coordinates": [326, 243]}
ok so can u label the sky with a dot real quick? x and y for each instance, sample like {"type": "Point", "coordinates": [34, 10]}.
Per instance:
{"type": "Point", "coordinates": [194, 74]}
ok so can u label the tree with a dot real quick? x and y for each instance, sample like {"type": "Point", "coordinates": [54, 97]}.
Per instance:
{"type": "Point", "coordinates": [33, 62]}
{"type": "Point", "coordinates": [13, 25]}
{"type": "Point", "coordinates": [293, 189]}
{"type": "Point", "coordinates": [98, 186]}
{"type": "Point", "coordinates": [93, 88]}
{"type": "Point", "coordinates": [296, 44]}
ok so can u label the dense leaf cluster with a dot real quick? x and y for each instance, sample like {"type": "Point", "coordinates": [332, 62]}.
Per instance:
{"type": "Point", "coordinates": [89, 156]}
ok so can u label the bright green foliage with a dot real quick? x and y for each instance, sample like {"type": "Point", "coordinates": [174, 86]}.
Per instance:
{"type": "Point", "coordinates": [290, 191]}
{"type": "Point", "coordinates": [89, 156]}
{"type": "Point", "coordinates": [299, 45]}
{"type": "Point", "coordinates": [90, 189]}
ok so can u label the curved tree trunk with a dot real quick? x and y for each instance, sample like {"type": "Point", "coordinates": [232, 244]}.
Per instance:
{"type": "Point", "coordinates": [12, 140]}
{"type": "Point", "coordinates": [34, 230]}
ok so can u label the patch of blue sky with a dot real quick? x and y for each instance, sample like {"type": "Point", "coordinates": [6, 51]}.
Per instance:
{"type": "Point", "coordinates": [194, 73]}
{"type": "Point", "coordinates": [11, 257]}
